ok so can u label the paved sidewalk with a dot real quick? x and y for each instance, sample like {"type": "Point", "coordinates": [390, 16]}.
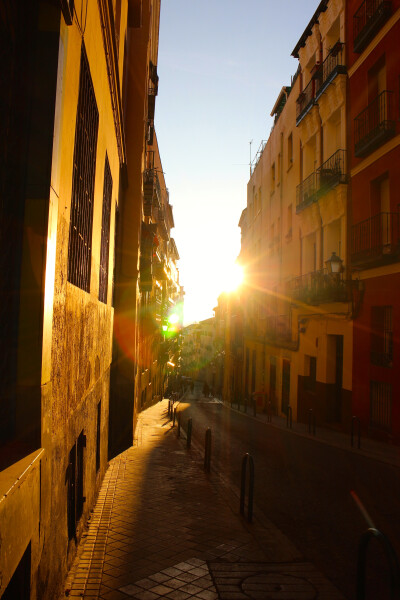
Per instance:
{"type": "Point", "coordinates": [163, 528]}
{"type": "Point", "coordinates": [381, 451]}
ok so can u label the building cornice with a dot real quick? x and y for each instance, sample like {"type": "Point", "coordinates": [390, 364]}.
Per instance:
{"type": "Point", "coordinates": [308, 30]}
{"type": "Point", "coordinates": [372, 158]}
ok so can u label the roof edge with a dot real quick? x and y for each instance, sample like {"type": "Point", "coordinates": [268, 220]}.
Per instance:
{"type": "Point", "coordinates": [323, 5]}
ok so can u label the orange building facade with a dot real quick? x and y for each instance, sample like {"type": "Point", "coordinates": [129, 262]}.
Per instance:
{"type": "Point", "coordinates": [77, 128]}
{"type": "Point", "coordinates": [296, 307]}
{"type": "Point", "coordinates": [373, 30]}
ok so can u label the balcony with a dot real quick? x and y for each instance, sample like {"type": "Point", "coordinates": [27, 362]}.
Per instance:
{"type": "Point", "coordinates": [318, 287]}
{"type": "Point", "coordinates": [307, 192]}
{"type": "Point", "coordinates": [305, 101]}
{"type": "Point", "coordinates": [368, 20]}
{"type": "Point", "coordinates": [375, 125]}
{"type": "Point", "coordinates": [151, 103]}
{"type": "Point", "coordinates": [332, 66]}
{"type": "Point", "coordinates": [146, 274]}
{"type": "Point", "coordinates": [161, 222]}
{"type": "Point", "coordinates": [375, 240]}
{"type": "Point", "coordinates": [159, 267]}
{"type": "Point", "coordinates": [151, 191]}
{"type": "Point", "coordinates": [332, 172]}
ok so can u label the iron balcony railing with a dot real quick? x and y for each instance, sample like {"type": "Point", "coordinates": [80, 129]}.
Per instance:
{"type": "Point", "coordinates": [161, 222]}
{"type": "Point", "coordinates": [257, 157]}
{"type": "Point", "coordinates": [376, 238]}
{"type": "Point", "coordinates": [159, 268]}
{"type": "Point", "coordinates": [334, 64]}
{"type": "Point", "coordinates": [381, 359]}
{"type": "Point", "coordinates": [151, 191]}
{"type": "Point", "coordinates": [368, 20]}
{"type": "Point", "coordinates": [305, 101]}
{"type": "Point", "coordinates": [318, 287]}
{"type": "Point", "coordinates": [374, 125]}
{"type": "Point", "coordinates": [146, 274]}
{"type": "Point", "coordinates": [148, 184]}
{"type": "Point", "coordinates": [306, 192]}
{"type": "Point", "coordinates": [332, 172]}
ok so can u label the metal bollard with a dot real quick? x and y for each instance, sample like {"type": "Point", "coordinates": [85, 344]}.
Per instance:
{"type": "Point", "coordinates": [289, 417]}
{"type": "Point", "coordinates": [355, 419]}
{"type": "Point", "coordinates": [189, 434]}
{"type": "Point", "coordinates": [269, 412]}
{"type": "Point", "coordinates": [174, 417]}
{"type": "Point", "coordinates": [207, 451]}
{"type": "Point", "coordinates": [311, 422]}
{"type": "Point", "coordinates": [179, 424]}
{"type": "Point", "coordinates": [391, 559]}
{"type": "Point", "coordinates": [247, 458]}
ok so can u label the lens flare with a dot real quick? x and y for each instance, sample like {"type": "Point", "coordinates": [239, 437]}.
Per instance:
{"type": "Point", "coordinates": [232, 277]}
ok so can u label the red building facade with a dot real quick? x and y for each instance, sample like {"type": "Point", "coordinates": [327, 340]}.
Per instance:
{"type": "Point", "coordinates": [373, 59]}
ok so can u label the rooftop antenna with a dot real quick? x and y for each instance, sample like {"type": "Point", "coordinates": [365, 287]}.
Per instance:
{"type": "Point", "coordinates": [250, 143]}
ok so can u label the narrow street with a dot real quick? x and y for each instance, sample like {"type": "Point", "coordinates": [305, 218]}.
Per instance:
{"type": "Point", "coordinates": [303, 486]}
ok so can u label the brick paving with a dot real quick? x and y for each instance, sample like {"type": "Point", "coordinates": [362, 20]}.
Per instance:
{"type": "Point", "coordinates": [163, 528]}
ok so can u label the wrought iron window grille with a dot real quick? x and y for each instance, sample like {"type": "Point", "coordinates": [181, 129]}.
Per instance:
{"type": "Point", "coordinates": [84, 169]}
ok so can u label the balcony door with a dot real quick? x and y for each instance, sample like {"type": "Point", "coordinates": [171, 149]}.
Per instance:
{"type": "Point", "coordinates": [386, 230]}
{"type": "Point", "coordinates": [381, 230]}
{"type": "Point", "coordinates": [335, 374]}
{"type": "Point", "coordinates": [285, 386]}
{"type": "Point", "coordinates": [272, 386]}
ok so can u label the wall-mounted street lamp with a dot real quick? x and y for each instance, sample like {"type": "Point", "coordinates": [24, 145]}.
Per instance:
{"type": "Point", "coordinates": [334, 264]}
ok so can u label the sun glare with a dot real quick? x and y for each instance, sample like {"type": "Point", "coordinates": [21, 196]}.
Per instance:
{"type": "Point", "coordinates": [232, 278]}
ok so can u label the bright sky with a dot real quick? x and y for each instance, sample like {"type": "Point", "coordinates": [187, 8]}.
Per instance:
{"type": "Point", "coordinates": [222, 64]}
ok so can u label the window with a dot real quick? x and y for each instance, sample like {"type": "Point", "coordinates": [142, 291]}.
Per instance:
{"type": "Point", "coordinates": [310, 381]}
{"type": "Point", "coordinates": [278, 176]}
{"type": "Point", "coordinates": [290, 149]}
{"type": "Point", "coordinates": [84, 167]}
{"type": "Point", "coordinates": [98, 433]}
{"type": "Point", "coordinates": [380, 405]}
{"type": "Point", "coordinates": [382, 336]}
{"type": "Point", "coordinates": [289, 224]}
{"type": "Point", "coordinates": [253, 371]}
{"type": "Point", "coordinates": [75, 479]}
{"type": "Point", "coordinates": [105, 233]}
{"type": "Point", "coordinates": [273, 177]}
{"type": "Point", "coordinates": [247, 364]}
{"type": "Point", "coordinates": [272, 236]}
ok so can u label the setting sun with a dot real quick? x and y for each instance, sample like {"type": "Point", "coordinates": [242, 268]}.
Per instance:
{"type": "Point", "coordinates": [231, 278]}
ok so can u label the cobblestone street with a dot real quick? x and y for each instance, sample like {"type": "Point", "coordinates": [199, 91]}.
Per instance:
{"type": "Point", "coordinates": [162, 528]}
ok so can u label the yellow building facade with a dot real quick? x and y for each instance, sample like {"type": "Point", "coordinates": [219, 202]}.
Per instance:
{"type": "Point", "coordinates": [77, 121]}
{"type": "Point", "coordinates": [161, 296]}
{"type": "Point", "coordinates": [297, 308]}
